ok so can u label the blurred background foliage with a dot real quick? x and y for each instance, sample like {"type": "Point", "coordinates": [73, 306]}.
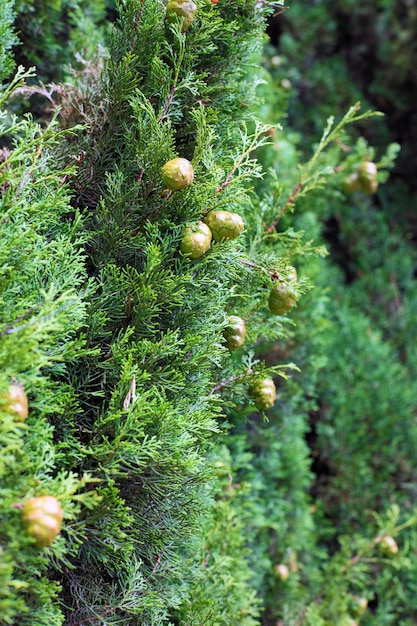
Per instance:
{"type": "Point", "coordinates": [340, 50]}
{"type": "Point", "coordinates": [355, 333]}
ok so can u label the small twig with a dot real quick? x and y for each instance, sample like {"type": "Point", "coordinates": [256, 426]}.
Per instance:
{"type": "Point", "coordinates": [206, 560]}
{"type": "Point", "coordinates": [148, 190]}
{"type": "Point", "coordinates": [168, 193]}
{"type": "Point", "coordinates": [270, 273]}
{"type": "Point", "coordinates": [361, 553]}
{"type": "Point", "coordinates": [353, 560]}
{"type": "Point", "coordinates": [157, 564]}
{"type": "Point", "coordinates": [234, 168]}
{"type": "Point", "coordinates": [330, 134]}
{"type": "Point", "coordinates": [93, 619]}
{"type": "Point", "coordinates": [289, 202]}
{"type": "Point", "coordinates": [167, 104]}
{"type": "Point", "coordinates": [283, 9]}
{"type": "Point", "coordinates": [15, 329]}
{"type": "Point", "coordinates": [42, 90]}
{"type": "Point", "coordinates": [131, 394]}
{"type": "Point", "coordinates": [180, 59]}
{"type": "Point", "coordinates": [137, 21]}
{"type": "Point", "coordinates": [230, 380]}
{"type": "Point", "coordinates": [12, 329]}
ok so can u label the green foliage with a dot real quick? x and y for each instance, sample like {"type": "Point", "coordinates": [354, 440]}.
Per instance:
{"type": "Point", "coordinates": [42, 312]}
{"type": "Point", "coordinates": [53, 34]}
{"type": "Point", "coordinates": [7, 37]}
{"type": "Point", "coordinates": [143, 416]}
{"type": "Point", "coordinates": [180, 498]}
{"type": "Point", "coordinates": [351, 342]}
{"type": "Point", "coordinates": [161, 314]}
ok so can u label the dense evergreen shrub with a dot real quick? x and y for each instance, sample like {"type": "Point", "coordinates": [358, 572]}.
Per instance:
{"type": "Point", "coordinates": [362, 430]}
{"type": "Point", "coordinates": [43, 285]}
{"type": "Point", "coordinates": [141, 355]}
{"type": "Point", "coordinates": [183, 502]}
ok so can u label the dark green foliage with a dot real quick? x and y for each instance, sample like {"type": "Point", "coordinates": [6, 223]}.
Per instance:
{"type": "Point", "coordinates": [338, 52]}
{"type": "Point", "coordinates": [7, 37]}
{"type": "Point", "coordinates": [364, 426]}
{"type": "Point", "coordinates": [144, 413]}
{"type": "Point", "coordinates": [353, 342]}
{"type": "Point", "coordinates": [55, 34]}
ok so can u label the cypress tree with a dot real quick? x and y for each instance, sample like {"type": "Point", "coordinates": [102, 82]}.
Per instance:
{"type": "Point", "coordinates": [152, 414]}
{"type": "Point", "coordinates": [136, 319]}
